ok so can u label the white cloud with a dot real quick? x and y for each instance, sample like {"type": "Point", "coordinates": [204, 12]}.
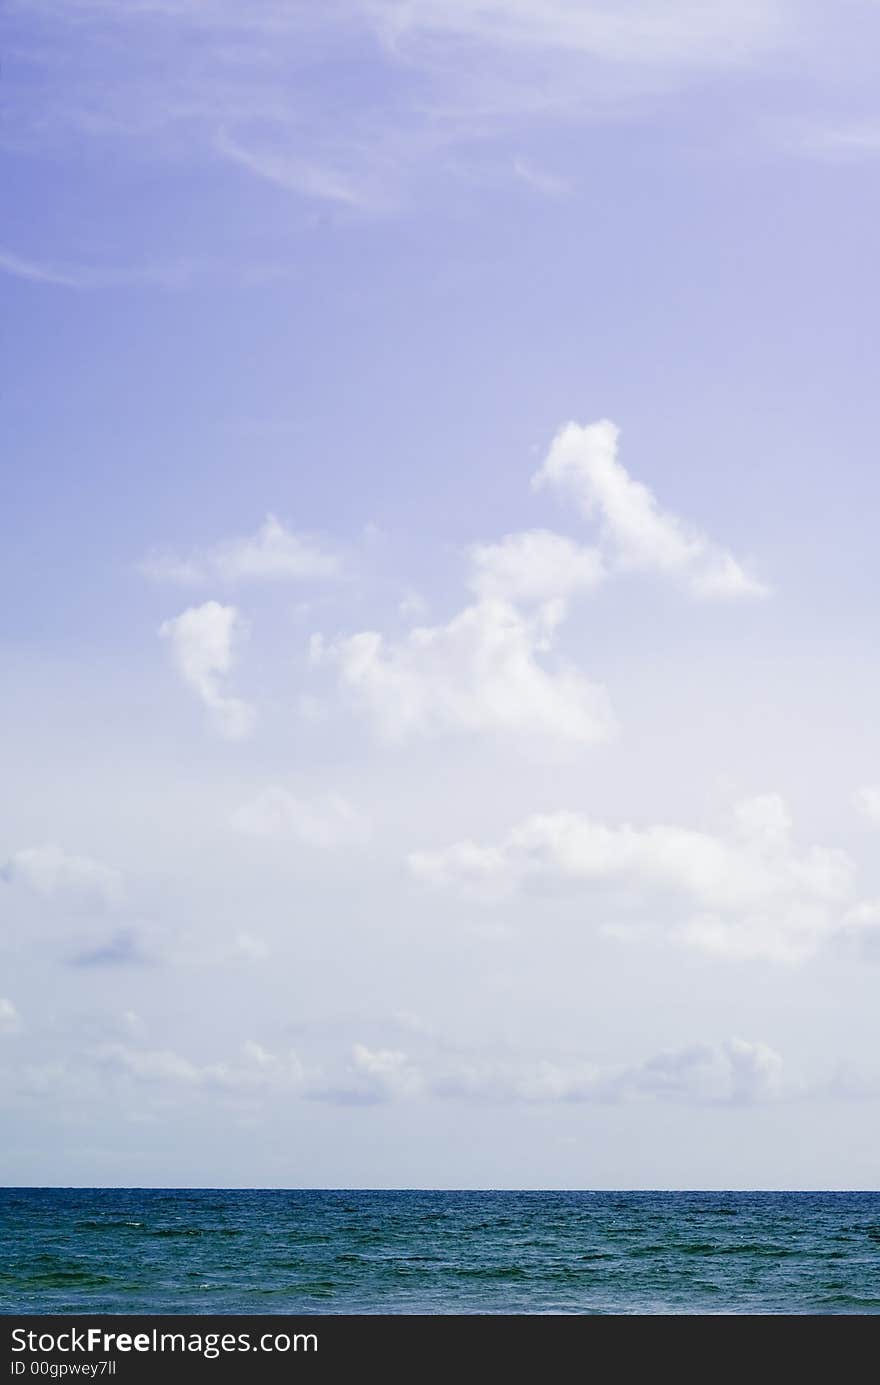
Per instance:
{"type": "Point", "coordinates": [255, 1069]}
{"type": "Point", "coordinates": [10, 1022]}
{"type": "Point", "coordinates": [636, 532]}
{"type": "Point", "coordinates": [745, 893]}
{"type": "Point", "coordinates": [479, 673]}
{"type": "Point", "coordinates": [201, 640]}
{"type": "Point", "coordinates": [535, 567]}
{"type": "Point", "coordinates": [322, 822]}
{"type": "Point", "coordinates": [273, 554]}
{"type": "Point", "coordinates": [385, 1073]}
{"type": "Point", "coordinates": [868, 803]}
{"type": "Point", "coordinates": [54, 874]}
{"type": "Point", "coordinates": [371, 1075]}
{"type": "Point", "coordinates": [482, 671]}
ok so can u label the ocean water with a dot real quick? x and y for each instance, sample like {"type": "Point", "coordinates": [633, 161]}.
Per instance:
{"type": "Point", "coordinates": [209, 1251]}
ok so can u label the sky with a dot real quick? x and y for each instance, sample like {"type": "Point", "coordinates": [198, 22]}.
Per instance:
{"type": "Point", "coordinates": [438, 674]}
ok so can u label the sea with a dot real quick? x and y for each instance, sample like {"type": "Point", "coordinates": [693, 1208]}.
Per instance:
{"type": "Point", "coordinates": [113, 1250]}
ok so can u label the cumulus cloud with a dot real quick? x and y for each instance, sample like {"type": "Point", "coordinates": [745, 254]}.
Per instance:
{"type": "Point", "coordinates": [10, 1023]}
{"type": "Point", "coordinates": [536, 567]}
{"type": "Point", "coordinates": [747, 892]}
{"type": "Point", "coordinates": [481, 672]}
{"type": "Point", "coordinates": [635, 531]}
{"type": "Point", "coordinates": [484, 670]}
{"type": "Point", "coordinates": [202, 640]}
{"type": "Point", "coordinates": [273, 554]}
{"type": "Point", "coordinates": [74, 881]}
{"type": "Point", "coordinates": [279, 815]}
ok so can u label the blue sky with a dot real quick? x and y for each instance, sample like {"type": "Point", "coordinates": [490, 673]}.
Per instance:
{"type": "Point", "coordinates": [411, 776]}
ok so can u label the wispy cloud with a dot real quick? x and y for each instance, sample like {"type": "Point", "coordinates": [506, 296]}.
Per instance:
{"type": "Point", "coordinates": [85, 277]}
{"type": "Point", "coordinates": [171, 277]}
{"type": "Point", "coordinates": [548, 184]}
{"type": "Point", "coordinates": [841, 143]}
{"type": "Point", "coordinates": [221, 79]}
{"type": "Point", "coordinates": [297, 174]}
{"type": "Point", "coordinates": [20, 268]}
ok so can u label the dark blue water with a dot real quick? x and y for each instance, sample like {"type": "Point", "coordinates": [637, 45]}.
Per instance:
{"type": "Point", "coordinates": [172, 1251]}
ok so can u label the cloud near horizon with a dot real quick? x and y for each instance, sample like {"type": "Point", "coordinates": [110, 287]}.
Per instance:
{"type": "Point", "coordinates": [744, 894]}
{"type": "Point", "coordinates": [440, 546]}
{"type": "Point", "coordinates": [734, 1072]}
